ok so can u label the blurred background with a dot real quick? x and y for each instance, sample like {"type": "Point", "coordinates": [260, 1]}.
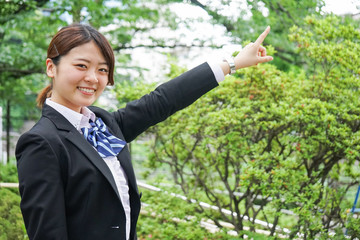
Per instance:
{"type": "Point", "coordinates": [272, 153]}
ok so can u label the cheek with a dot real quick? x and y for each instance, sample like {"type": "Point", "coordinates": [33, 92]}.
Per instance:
{"type": "Point", "coordinates": [75, 76]}
{"type": "Point", "coordinates": [71, 77]}
{"type": "Point", "coordinates": [102, 83]}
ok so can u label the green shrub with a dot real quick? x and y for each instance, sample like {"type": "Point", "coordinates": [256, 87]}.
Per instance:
{"type": "Point", "coordinates": [8, 173]}
{"type": "Point", "coordinates": [11, 221]}
{"type": "Point", "coordinates": [353, 226]}
{"type": "Point", "coordinates": [167, 217]}
{"type": "Point", "coordinates": [285, 140]}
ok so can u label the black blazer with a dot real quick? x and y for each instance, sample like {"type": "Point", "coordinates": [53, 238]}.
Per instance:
{"type": "Point", "coordinates": [67, 190]}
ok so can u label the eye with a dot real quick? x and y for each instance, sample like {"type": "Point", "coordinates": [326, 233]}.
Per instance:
{"type": "Point", "coordinates": [104, 70]}
{"type": "Point", "coordinates": [81, 66]}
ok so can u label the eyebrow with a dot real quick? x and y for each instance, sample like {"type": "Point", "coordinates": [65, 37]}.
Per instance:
{"type": "Point", "coordinates": [86, 60]}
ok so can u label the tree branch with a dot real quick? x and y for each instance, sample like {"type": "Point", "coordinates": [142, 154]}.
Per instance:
{"type": "Point", "coordinates": [22, 7]}
{"type": "Point", "coordinates": [227, 24]}
{"type": "Point", "coordinates": [287, 13]}
{"type": "Point", "coordinates": [122, 47]}
{"type": "Point", "coordinates": [20, 72]}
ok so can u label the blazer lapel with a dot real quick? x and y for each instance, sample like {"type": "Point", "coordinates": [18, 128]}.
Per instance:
{"type": "Point", "coordinates": [79, 141]}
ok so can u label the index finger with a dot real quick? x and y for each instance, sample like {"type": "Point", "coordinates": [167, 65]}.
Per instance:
{"type": "Point", "coordinates": [262, 36]}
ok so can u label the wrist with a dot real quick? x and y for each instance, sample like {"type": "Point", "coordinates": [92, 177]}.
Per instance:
{"type": "Point", "coordinates": [231, 64]}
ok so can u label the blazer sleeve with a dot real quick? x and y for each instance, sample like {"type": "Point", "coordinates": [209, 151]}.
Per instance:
{"type": "Point", "coordinates": [41, 189]}
{"type": "Point", "coordinates": [164, 101]}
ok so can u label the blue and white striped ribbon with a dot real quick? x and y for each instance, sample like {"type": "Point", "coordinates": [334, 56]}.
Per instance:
{"type": "Point", "coordinates": [105, 143]}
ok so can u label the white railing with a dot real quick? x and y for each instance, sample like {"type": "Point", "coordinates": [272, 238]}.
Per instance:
{"type": "Point", "coordinates": [9, 185]}
{"type": "Point", "coordinates": [225, 211]}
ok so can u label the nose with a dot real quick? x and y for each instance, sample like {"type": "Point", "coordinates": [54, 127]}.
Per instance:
{"type": "Point", "coordinates": [91, 76]}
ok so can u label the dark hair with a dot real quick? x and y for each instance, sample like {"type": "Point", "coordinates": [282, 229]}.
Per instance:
{"type": "Point", "coordinates": [70, 37]}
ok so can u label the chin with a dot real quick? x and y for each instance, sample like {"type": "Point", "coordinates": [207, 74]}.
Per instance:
{"type": "Point", "coordinates": [87, 102]}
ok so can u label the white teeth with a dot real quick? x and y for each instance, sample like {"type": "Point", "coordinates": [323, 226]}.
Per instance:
{"type": "Point", "coordinates": [86, 90]}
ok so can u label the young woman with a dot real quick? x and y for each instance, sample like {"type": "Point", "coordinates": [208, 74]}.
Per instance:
{"type": "Point", "coordinates": [75, 173]}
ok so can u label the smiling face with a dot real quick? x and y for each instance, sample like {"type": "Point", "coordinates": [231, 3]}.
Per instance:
{"type": "Point", "coordinates": [80, 77]}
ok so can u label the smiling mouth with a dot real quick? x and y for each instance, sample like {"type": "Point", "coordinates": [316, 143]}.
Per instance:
{"type": "Point", "coordinates": [87, 90]}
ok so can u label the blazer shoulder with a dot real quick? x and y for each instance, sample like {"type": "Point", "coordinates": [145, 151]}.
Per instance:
{"type": "Point", "coordinates": [47, 127]}
{"type": "Point", "coordinates": [44, 130]}
{"type": "Point", "coordinates": [44, 127]}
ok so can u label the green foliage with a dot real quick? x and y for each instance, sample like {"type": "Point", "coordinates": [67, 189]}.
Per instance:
{"type": "Point", "coordinates": [22, 54]}
{"type": "Point", "coordinates": [127, 91]}
{"type": "Point", "coordinates": [353, 229]}
{"type": "Point", "coordinates": [284, 140]}
{"type": "Point", "coordinates": [11, 222]}
{"type": "Point", "coordinates": [253, 16]}
{"type": "Point", "coordinates": [9, 9]}
{"type": "Point", "coordinates": [281, 16]}
{"type": "Point", "coordinates": [292, 138]}
{"type": "Point", "coordinates": [8, 173]}
{"type": "Point", "coordinates": [26, 28]}
{"type": "Point", "coordinates": [165, 216]}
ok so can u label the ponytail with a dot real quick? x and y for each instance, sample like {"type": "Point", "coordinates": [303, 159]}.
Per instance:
{"type": "Point", "coordinates": [43, 95]}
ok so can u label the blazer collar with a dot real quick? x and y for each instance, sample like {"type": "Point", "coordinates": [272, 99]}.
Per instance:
{"type": "Point", "coordinates": [73, 136]}
{"type": "Point", "coordinates": [57, 118]}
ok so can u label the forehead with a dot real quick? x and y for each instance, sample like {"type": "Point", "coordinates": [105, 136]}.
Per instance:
{"type": "Point", "coordinates": [88, 51]}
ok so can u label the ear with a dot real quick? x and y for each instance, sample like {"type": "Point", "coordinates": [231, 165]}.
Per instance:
{"type": "Point", "coordinates": [50, 68]}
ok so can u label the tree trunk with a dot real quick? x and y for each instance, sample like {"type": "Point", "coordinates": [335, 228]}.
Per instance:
{"type": "Point", "coordinates": [7, 131]}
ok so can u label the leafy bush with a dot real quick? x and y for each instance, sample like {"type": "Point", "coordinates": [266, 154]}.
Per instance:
{"type": "Point", "coordinates": [8, 173]}
{"type": "Point", "coordinates": [266, 141]}
{"type": "Point", "coordinates": [11, 221]}
{"type": "Point", "coordinates": [353, 227]}
{"type": "Point", "coordinates": [165, 216]}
